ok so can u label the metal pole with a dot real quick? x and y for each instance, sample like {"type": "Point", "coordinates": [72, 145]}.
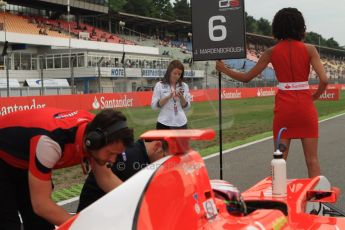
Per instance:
{"type": "Point", "coordinates": [191, 73]}
{"type": "Point", "coordinates": [69, 45]}
{"type": "Point", "coordinates": [124, 65]}
{"type": "Point", "coordinates": [124, 76]}
{"type": "Point", "coordinates": [109, 23]}
{"type": "Point", "coordinates": [42, 78]}
{"type": "Point", "coordinates": [3, 4]}
{"type": "Point", "coordinates": [122, 26]}
{"type": "Point", "coordinates": [142, 77]}
{"type": "Point", "coordinates": [99, 77]}
{"type": "Point", "coordinates": [74, 58]}
{"type": "Point", "coordinates": [220, 126]}
{"type": "Point", "coordinates": [7, 74]}
{"type": "Point", "coordinates": [99, 73]}
{"type": "Point", "coordinates": [206, 74]}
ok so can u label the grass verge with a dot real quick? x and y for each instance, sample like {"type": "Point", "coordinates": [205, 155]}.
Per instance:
{"type": "Point", "coordinates": [244, 121]}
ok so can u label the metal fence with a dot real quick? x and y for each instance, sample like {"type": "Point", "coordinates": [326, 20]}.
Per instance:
{"type": "Point", "coordinates": [27, 91]}
{"type": "Point", "coordinates": [226, 83]}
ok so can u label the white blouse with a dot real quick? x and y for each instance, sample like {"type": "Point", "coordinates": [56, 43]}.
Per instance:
{"type": "Point", "coordinates": [167, 115]}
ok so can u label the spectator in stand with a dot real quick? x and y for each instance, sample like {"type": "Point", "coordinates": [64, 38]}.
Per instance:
{"type": "Point", "coordinates": [171, 96]}
{"type": "Point", "coordinates": [93, 32]}
{"type": "Point", "coordinates": [294, 107]}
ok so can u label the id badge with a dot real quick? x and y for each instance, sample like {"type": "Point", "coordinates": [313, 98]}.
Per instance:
{"type": "Point", "coordinates": [175, 108]}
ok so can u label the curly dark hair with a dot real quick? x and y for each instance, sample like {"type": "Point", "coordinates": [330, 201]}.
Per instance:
{"type": "Point", "coordinates": [288, 23]}
{"type": "Point", "coordinates": [175, 64]}
{"type": "Point", "coordinates": [105, 119]}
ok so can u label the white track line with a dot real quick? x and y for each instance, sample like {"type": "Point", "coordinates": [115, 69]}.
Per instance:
{"type": "Point", "coordinates": [68, 201]}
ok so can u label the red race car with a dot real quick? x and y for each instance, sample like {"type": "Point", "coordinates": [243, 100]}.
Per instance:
{"type": "Point", "coordinates": [176, 193]}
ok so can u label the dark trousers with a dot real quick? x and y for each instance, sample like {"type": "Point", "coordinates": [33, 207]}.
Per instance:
{"type": "Point", "coordinates": [161, 126]}
{"type": "Point", "coordinates": [90, 192]}
{"type": "Point", "coordinates": [14, 198]}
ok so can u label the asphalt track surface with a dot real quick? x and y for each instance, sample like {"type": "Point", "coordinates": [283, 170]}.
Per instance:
{"type": "Point", "coordinates": [246, 165]}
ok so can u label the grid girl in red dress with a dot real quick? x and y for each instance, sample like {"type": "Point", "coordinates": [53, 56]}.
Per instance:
{"type": "Point", "coordinates": [294, 106]}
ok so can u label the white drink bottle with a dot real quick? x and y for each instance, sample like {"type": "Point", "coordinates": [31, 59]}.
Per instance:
{"type": "Point", "coordinates": [278, 165]}
{"type": "Point", "coordinates": [278, 169]}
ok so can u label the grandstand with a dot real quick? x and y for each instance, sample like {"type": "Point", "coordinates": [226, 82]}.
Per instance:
{"type": "Point", "coordinates": [45, 44]}
{"type": "Point", "coordinates": [100, 51]}
{"type": "Point", "coordinates": [19, 24]}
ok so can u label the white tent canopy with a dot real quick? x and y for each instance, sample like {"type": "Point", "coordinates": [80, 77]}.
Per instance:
{"type": "Point", "coordinates": [46, 83]}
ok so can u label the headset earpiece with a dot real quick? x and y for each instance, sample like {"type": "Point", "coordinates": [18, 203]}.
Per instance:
{"type": "Point", "coordinates": [98, 138]}
{"type": "Point", "coordinates": [95, 139]}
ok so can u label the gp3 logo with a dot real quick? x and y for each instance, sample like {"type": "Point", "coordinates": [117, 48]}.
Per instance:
{"type": "Point", "coordinates": [228, 3]}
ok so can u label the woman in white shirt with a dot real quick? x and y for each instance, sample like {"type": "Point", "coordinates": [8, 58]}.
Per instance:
{"type": "Point", "coordinates": [171, 96]}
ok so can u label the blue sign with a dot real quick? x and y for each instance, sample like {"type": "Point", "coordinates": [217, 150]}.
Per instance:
{"type": "Point", "coordinates": [153, 72]}
{"type": "Point", "coordinates": [117, 72]}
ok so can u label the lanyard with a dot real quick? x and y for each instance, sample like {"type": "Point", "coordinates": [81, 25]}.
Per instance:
{"type": "Point", "coordinates": [175, 102]}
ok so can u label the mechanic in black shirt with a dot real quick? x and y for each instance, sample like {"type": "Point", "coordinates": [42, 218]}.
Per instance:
{"type": "Point", "coordinates": [133, 160]}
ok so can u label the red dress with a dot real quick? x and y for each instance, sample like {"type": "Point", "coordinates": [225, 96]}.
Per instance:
{"type": "Point", "coordinates": [294, 109]}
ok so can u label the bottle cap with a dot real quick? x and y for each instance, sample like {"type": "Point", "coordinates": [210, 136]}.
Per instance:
{"type": "Point", "coordinates": [277, 154]}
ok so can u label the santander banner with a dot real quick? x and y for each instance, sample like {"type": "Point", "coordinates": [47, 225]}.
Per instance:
{"type": "Point", "coordinates": [330, 95]}
{"type": "Point", "coordinates": [136, 99]}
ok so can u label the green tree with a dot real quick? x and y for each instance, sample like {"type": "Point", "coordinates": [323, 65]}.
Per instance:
{"type": "Point", "coordinates": [332, 43]}
{"type": "Point", "coordinates": [251, 25]}
{"type": "Point", "coordinates": [139, 7]}
{"type": "Point", "coordinates": [182, 10]}
{"type": "Point", "coordinates": [162, 9]}
{"type": "Point", "coordinates": [313, 38]}
{"type": "Point", "coordinates": [264, 27]}
{"type": "Point", "coordinates": [117, 5]}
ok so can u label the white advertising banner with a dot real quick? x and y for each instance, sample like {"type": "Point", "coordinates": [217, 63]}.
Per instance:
{"type": "Point", "coordinates": [35, 83]}
{"type": "Point", "coordinates": [12, 83]}
{"type": "Point", "coordinates": [133, 72]}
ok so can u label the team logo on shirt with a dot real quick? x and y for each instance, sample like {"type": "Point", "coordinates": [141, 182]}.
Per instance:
{"type": "Point", "coordinates": [65, 114]}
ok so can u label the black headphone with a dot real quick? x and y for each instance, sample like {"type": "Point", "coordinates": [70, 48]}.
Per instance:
{"type": "Point", "coordinates": [98, 138]}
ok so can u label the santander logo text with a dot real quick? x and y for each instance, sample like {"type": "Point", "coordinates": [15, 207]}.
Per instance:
{"type": "Point", "coordinates": [231, 95]}
{"type": "Point", "coordinates": [15, 107]}
{"type": "Point", "coordinates": [328, 96]}
{"type": "Point", "coordinates": [105, 103]}
{"type": "Point", "coordinates": [265, 92]}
